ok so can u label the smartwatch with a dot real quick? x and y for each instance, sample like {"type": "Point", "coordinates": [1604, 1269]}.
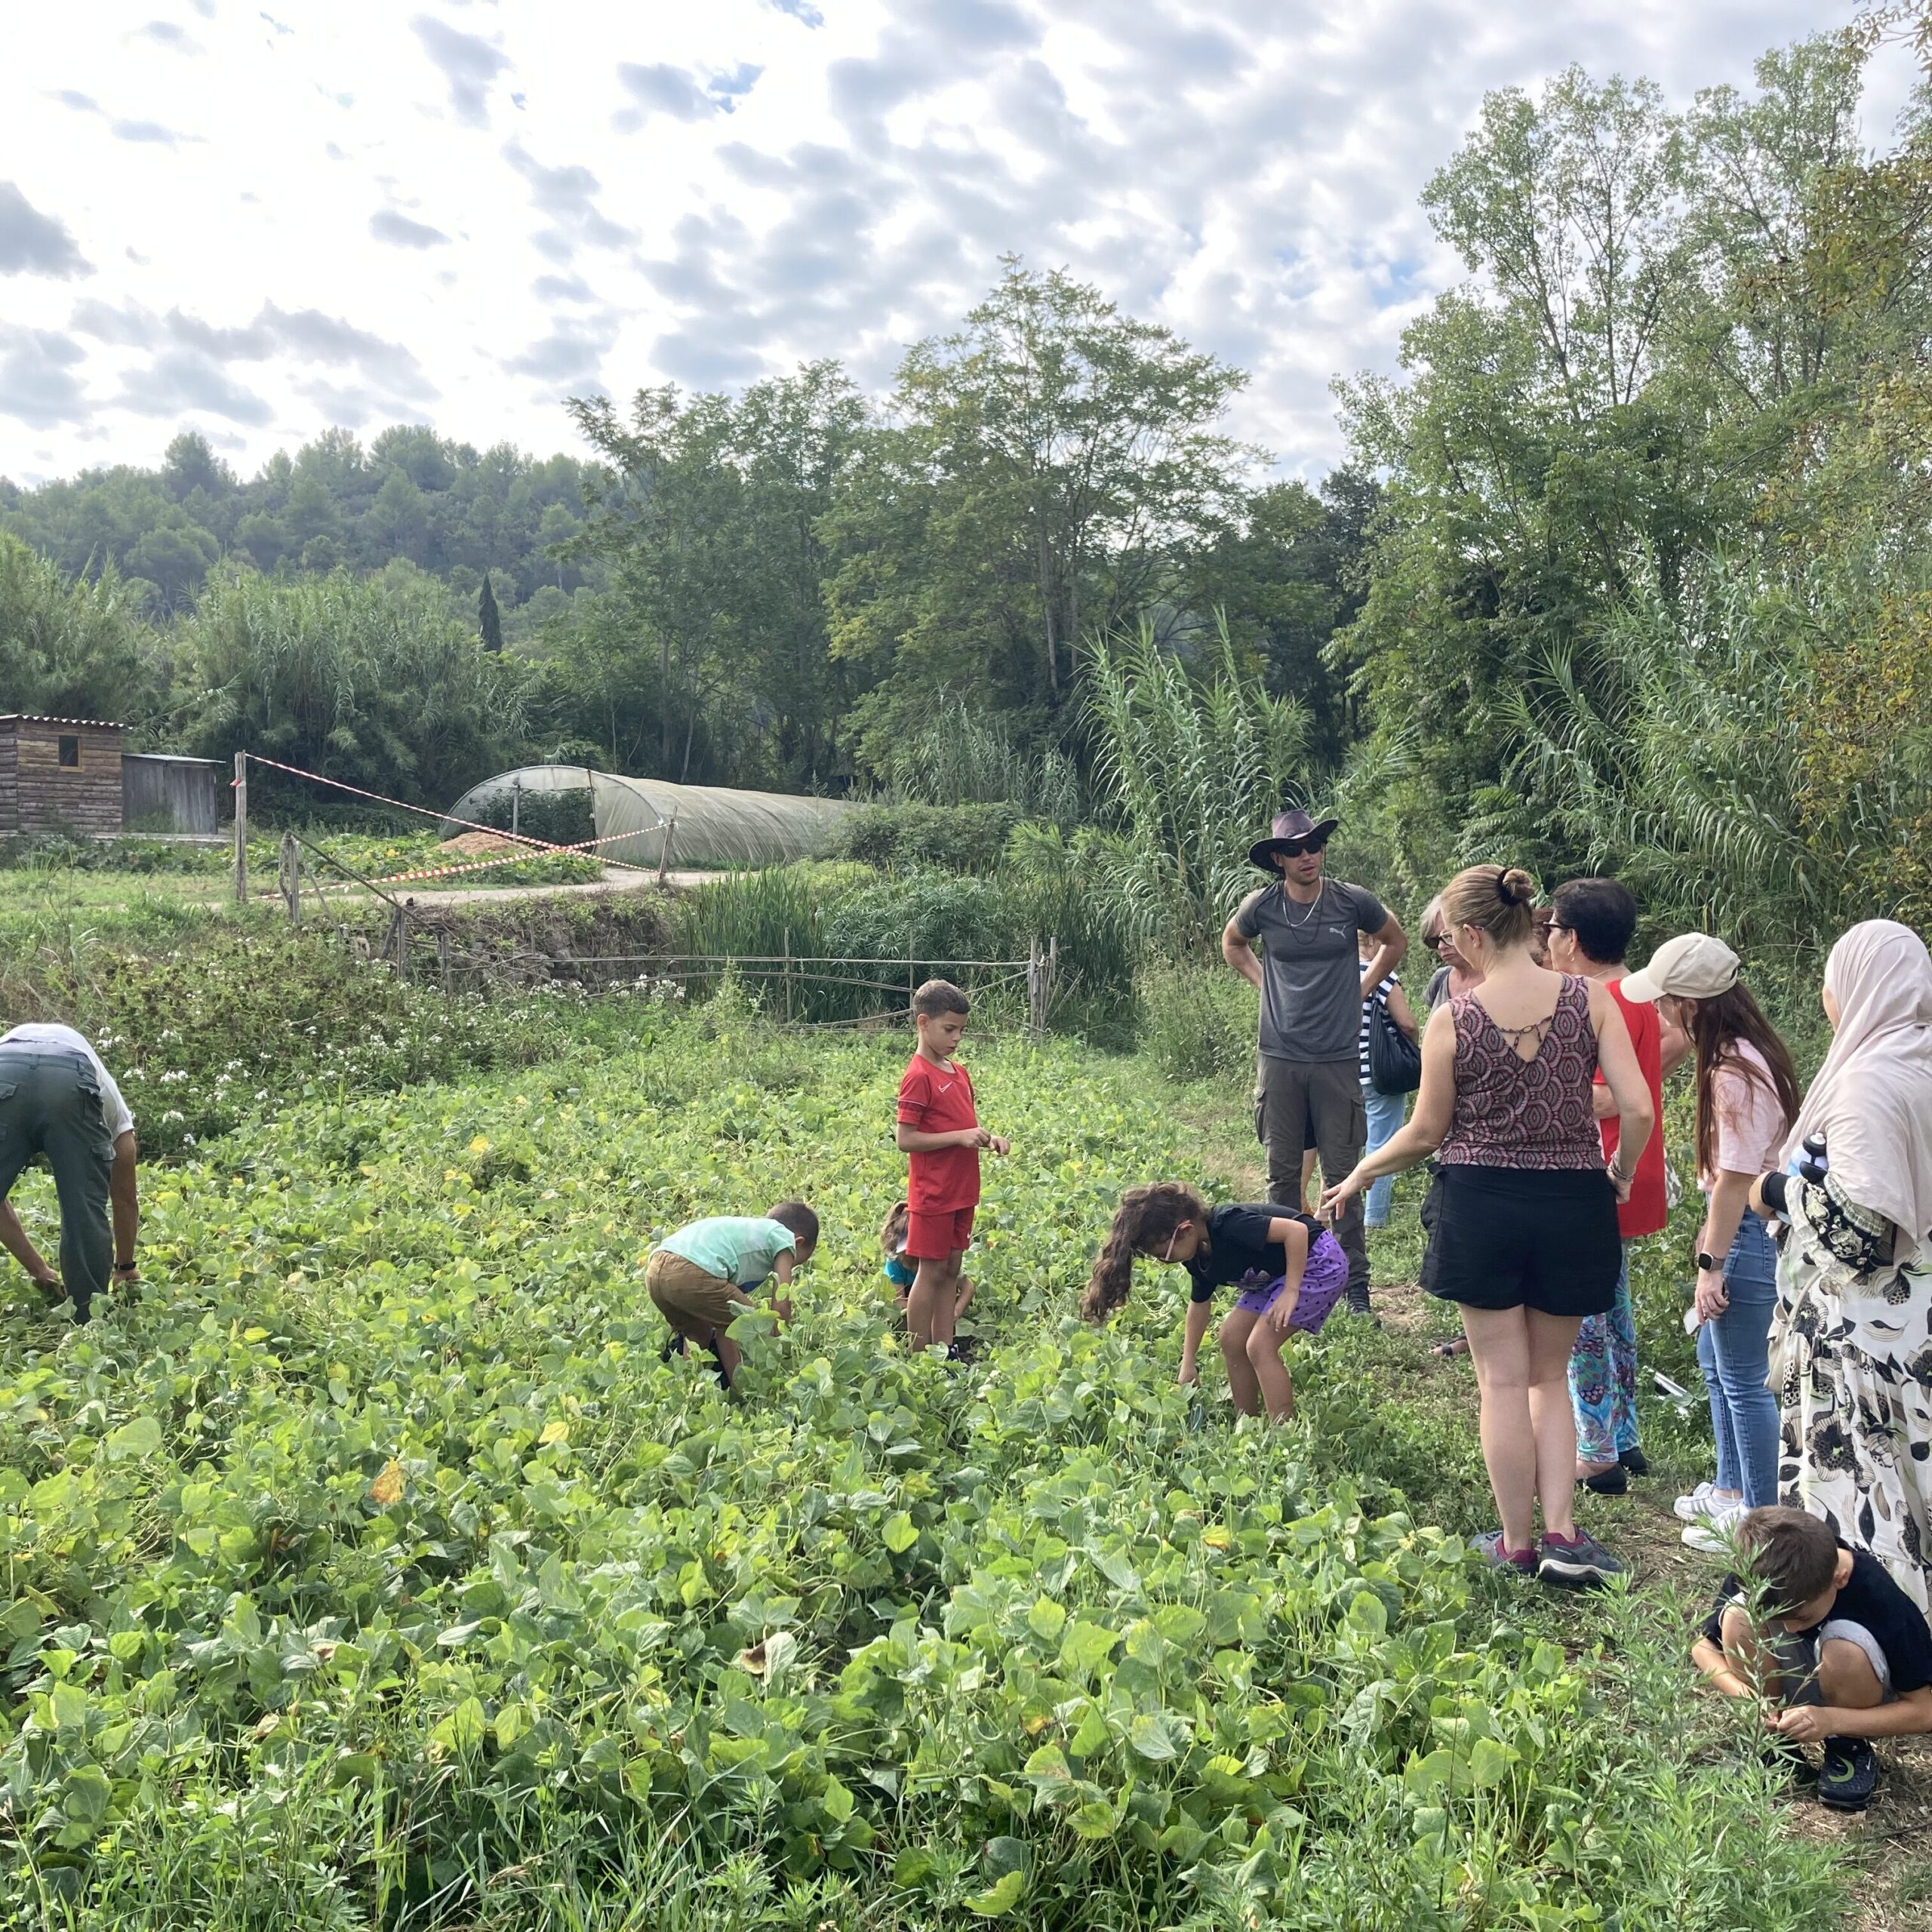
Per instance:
{"type": "Point", "coordinates": [1708, 1262]}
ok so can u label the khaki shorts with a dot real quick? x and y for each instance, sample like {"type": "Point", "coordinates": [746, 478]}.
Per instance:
{"type": "Point", "coordinates": [699, 1306]}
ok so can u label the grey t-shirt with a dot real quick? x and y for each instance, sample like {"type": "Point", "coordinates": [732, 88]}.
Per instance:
{"type": "Point", "coordinates": [1311, 972]}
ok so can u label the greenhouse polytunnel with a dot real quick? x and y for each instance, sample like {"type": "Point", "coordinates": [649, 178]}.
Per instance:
{"type": "Point", "coordinates": [651, 822]}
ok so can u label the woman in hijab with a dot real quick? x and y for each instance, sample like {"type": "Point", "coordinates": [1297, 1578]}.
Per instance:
{"type": "Point", "coordinates": [1851, 1341]}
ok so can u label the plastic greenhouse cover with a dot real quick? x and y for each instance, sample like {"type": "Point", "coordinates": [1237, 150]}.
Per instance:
{"type": "Point", "coordinates": [705, 825]}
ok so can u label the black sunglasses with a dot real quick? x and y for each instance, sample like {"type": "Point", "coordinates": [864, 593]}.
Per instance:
{"type": "Point", "coordinates": [1294, 849]}
{"type": "Point", "coordinates": [1434, 941]}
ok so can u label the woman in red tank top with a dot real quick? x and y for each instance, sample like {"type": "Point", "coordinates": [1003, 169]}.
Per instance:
{"type": "Point", "coordinates": [1525, 1236]}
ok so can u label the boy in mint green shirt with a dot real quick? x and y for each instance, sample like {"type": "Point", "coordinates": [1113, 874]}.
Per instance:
{"type": "Point", "coordinates": [701, 1277]}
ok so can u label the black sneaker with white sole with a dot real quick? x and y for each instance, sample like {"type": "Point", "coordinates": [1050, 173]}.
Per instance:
{"type": "Point", "coordinates": [1850, 1773]}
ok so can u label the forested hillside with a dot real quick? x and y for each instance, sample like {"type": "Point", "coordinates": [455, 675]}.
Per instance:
{"type": "Point", "coordinates": [1626, 569]}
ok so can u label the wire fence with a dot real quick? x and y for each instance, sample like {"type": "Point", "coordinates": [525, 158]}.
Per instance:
{"type": "Point", "coordinates": [803, 991]}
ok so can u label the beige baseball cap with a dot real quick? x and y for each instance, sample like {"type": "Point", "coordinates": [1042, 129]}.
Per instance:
{"type": "Point", "coordinates": [1692, 966]}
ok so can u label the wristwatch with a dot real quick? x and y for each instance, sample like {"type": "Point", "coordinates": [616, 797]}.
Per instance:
{"type": "Point", "coordinates": [1708, 1263]}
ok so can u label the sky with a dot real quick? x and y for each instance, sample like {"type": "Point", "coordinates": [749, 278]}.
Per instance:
{"type": "Point", "coordinates": [260, 222]}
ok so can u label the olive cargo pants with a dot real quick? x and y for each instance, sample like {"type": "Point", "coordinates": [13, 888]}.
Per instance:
{"type": "Point", "coordinates": [49, 1103]}
{"type": "Point", "coordinates": [1299, 1104]}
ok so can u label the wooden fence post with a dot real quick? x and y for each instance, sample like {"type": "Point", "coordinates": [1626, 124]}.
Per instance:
{"type": "Point", "coordinates": [1034, 1003]}
{"type": "Point", "coordinates": [664, 852]}
{"type": "Point", "coordinates": [788, 975]}
{"type": "Point", "coordinates": [443, 957]}
{"type": "Point", "coordinates": [240, 828]}
{"type": "Point", "coordinates": [402, 943]}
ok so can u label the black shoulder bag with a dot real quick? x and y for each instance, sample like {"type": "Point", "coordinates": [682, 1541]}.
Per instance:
{"type": "Point", "coordinates": [1394, 1060]}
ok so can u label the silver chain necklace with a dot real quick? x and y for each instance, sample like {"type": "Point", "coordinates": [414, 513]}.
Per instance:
{"type": "Point", "coordinates": [1315, 906]}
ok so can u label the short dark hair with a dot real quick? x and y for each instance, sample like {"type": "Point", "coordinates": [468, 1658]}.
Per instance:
{"type": "Point", "coordinates": [1793, 1554]}
{"type": "Point", "coordinates": [1601, 915]}
{"type": "Point", "coordinates": [938, 996]}
{"type": "Point", "coordinates": [800, 1219]}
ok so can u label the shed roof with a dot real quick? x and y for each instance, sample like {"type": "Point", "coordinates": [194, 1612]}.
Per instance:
{"type": "Point", "coordinates": [172, 758]}
{"type": "Point", "coordinates": [38, 718]}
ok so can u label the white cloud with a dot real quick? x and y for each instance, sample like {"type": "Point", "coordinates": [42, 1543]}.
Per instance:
{"type": "Point", "coordinates": [34, 243]}
{"type": "Point", "coordinates": [326, 218]}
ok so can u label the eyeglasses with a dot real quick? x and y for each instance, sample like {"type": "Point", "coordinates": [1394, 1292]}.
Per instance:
{"type": "Point", "coordinates": [1167, 1252]}
{"type": "Point", "coordinates": [1296, 848]}
{"type": "Point", "coordinates": [1435, 941]}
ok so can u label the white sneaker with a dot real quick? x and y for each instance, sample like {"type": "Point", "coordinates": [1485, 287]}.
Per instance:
{"type": "Point", "coordinates": [1702, 1502]}
{"type": "Point", "coordinates": [1713, 1534]}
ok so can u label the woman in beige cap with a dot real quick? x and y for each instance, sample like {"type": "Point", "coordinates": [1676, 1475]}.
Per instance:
{"type": "Point", "coordinates": [1747, 1099]}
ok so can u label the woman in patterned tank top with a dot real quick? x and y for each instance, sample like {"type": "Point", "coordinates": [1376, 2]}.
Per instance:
{"type": "Point", "coordinates": [1524, 1238]}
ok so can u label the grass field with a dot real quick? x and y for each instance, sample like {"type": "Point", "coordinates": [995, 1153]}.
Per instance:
{"type": "Point", "coordinates": [371, 1567]}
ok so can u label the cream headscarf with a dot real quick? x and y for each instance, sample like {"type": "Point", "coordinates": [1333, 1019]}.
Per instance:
{"type": "Point", "coordinates": [1872, 1098]}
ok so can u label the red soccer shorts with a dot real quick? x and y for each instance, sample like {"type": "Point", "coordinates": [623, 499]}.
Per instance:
{"type": "Point", "coordinates": [939, 1237]}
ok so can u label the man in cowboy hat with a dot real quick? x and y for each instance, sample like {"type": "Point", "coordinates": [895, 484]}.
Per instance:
{"type": "Point", "coordinates": [1312, 983]}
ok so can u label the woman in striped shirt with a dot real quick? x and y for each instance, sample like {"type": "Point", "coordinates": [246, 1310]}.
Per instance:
{"type": "Point", "coordinates": [1385, 1111]}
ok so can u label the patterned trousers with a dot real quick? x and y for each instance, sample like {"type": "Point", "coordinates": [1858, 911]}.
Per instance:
{"type": "Point", "coordinates": [1603, 1378]}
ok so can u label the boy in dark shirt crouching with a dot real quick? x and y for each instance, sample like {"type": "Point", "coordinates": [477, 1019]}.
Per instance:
{"type": "Point", "coordinates": [1823, 1635]}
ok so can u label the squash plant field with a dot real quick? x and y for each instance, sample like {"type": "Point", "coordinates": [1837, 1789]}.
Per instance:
{"type": "Point", "coordinates": [373, 1568]}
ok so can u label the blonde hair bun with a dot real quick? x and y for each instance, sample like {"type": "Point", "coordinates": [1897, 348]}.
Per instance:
{"type": "Point", "coordinates": [1517, 886]}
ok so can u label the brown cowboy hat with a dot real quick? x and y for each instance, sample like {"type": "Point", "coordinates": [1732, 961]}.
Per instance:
{"type": "Point", "coordinates": [1291, 828]}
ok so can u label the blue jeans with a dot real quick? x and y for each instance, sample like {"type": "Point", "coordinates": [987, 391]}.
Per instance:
{"type": "Point", "coordinates": [1385, 1112]}
{"type": "Point", "coordinates": [1734, 1352]}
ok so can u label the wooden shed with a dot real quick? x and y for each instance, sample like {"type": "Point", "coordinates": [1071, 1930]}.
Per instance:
{"type": "Point", "coordinates": [160, 793]}
{"type": "Point", "coordinates": [59, 774]}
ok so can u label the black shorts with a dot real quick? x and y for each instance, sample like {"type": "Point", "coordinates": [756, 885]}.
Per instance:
{"type": "Point", "coordinates": [1545, 1239]}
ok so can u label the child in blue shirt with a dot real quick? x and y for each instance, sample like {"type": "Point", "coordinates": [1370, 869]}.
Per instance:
{"type": "Point", "coordinates": [900, 1269]}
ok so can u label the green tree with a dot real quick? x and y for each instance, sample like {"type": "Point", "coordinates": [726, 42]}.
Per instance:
{"type": "Point", "coordinates": [1285, 580]}
{"type": "Point", "coordinates": [71, 649]}
{"type": "Point", "coordinates": [378, 683]}
{"type": "Point", "coordinates": [1613, 396]}
{"type": "Point", "coordinates": [489, 619]}
{"type": "Point", "coordinates": [708, 517]}
{"type": "Point", "coordinates": [1045, 468]}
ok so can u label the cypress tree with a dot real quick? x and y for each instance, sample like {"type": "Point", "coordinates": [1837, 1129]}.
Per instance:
{"type": "Point", "coordinates": [489, 619]}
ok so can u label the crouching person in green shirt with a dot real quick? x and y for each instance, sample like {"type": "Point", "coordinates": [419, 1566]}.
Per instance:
{"type": "Point", "coordinates": [701, 1277]}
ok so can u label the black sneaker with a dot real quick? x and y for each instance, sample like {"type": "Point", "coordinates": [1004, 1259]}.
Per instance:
{"type": "Point", "coordinates": [1635, 1461]}
{"type": "Point", "coordinates": [1612, 1481]}
{"type": "Point", "coordinates": [1580, 1564]}
{"type": "Point", "coordinates": [1850, 1774]}
{"type": "Point", "coordinates": [1357, 1303]}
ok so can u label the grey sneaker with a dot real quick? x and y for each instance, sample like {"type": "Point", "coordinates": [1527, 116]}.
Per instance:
{"type": "Point", "coordinates": [1578, 1563]}
{"type": "Point", "coordinates": [1490, 1549]}
{"type": "Point", "coordinates": [1357, 1302]}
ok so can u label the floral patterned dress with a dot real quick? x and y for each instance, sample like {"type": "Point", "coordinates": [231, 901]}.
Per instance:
{"type": "Point", "coordinates": [1851, 1362]}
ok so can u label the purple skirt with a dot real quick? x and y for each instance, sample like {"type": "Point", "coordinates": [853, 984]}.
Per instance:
{"type": "Point", "coordinates": [1322, 1282]}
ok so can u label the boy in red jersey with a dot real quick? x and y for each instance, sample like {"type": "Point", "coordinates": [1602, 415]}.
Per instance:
{"type": "Point", "coordinates": [940, 1131]}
